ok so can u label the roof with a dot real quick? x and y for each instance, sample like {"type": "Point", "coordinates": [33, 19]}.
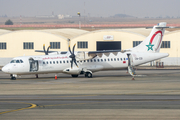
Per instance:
{"type": "Point", "coordinates": [67, 33]}
{"type": "Point", "coordinates": [2, 31]}
{"type": "Point", "coordinates": [142, 31]}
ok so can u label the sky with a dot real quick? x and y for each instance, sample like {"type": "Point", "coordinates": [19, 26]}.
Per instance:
{"type": "Point", "coordinates": [92, 8]}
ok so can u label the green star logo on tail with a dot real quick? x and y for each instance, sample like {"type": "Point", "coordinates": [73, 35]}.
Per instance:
{"type": "Point", "coordinates": [150, 46]}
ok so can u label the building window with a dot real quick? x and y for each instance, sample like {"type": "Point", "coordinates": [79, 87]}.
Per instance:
{"type": "Point", "coordinates": [28, 45]}
{"type": "Point", "coordinates": [83, 44]}
{"type": "Point", "coordinates": [165, 44]}
{"type": "Point", "coordinates": [55, 45]}
{"type": "Point", "coordinates": [3, 45]}
{"type": "Point", "coordinates": [135, 43]}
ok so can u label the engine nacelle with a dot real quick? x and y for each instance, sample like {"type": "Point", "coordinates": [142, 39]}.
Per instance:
{"type": "Point", "coordinates": [72, 71]}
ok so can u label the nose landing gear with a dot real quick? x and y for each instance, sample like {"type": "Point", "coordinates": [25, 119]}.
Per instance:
{"type": "Point", "coordinates": [13, 77]}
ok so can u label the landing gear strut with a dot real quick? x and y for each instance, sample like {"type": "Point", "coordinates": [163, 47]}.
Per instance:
{"type": "Point", "coordinates": [37, 76]}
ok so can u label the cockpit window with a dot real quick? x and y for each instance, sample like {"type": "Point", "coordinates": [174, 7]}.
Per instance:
{"type": "Point", "coordinates": [21, 61]}
{"type": "Point", "coordinates": [16, 61]}
{"type": "Point", "coordinates": [13, 61]}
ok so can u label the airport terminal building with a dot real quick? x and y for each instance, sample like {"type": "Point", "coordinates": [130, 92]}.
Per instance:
{"type": "Point", "coordinates": [25, 42]}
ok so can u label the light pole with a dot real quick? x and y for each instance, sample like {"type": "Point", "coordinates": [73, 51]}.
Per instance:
{"type": "Point", "coordinates": [79, 14]}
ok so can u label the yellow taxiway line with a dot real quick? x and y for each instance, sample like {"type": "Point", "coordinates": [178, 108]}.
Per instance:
{"type": "Point", "coordinates": [32, 106]}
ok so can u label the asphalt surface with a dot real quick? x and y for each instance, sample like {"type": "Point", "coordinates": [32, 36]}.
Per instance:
{"type": "Point", "coordinates": [108, 95]}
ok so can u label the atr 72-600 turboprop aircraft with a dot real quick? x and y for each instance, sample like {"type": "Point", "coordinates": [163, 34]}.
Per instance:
{"type": "Point", "coordinates": [88, 62]}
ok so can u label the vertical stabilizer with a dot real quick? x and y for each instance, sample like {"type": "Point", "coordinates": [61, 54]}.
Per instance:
{"type": "Point", "coordinates": [153, 42]}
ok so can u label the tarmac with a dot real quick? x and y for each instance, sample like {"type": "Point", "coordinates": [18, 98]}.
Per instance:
{"type": "Point", "coordinates": [108, 95]}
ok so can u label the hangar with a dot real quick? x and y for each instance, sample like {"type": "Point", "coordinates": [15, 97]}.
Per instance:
{"type": "Point", "coordinates": [106, 40]}
{"type": "Point", "coordinates": [25, 42]}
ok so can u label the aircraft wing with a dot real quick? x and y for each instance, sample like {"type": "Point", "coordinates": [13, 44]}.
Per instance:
{"type": "Point", "coordinates": [91, 54]}
{"type": "Point", "coordinates": [56, 52]}
{"type": "Point", "coordinates": [43, 51]}
{"type": "Point", "coordinates": [106, 52]}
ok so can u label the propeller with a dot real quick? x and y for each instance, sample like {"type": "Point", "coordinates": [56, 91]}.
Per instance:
{"type": "Point", "coordinates": [46, 52]}
{"type": "Point", "coordinates": [72, 56]}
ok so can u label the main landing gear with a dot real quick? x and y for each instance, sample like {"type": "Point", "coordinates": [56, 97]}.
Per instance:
{"type": "Point", "coordinates": [88, 75]}
{"type": "Point", "coordinates": [74, 76]}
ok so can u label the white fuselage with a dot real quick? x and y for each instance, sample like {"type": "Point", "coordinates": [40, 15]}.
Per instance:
{"type": "Point", "coordinates": [58, 63]}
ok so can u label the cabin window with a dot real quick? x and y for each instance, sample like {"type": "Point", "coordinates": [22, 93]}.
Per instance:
{"type": "Point", "coordinates": [91, 60]}
{"type": "Point", "coordinates": [28, 45]}
{"type": "Point", "coordinates": [47, 62]}
{"type": "Point", "coordinates": [50, 62]}
{"type": "Point", "coordinates": [114, 59]}
{"type": "Point", "coordinates": [43, 62]}
{"type": "Point", "coordinates": [124, 59]}
{"type": "Point", "coordinates": [111, 59]}
{"type": "Point", "coordinates": [84, 60]}
{"type": "Point", "coordinates": [104, 59]}
{"type": "Point", "coordinates": [121, 59]}
{"type": "Point", "coordinates": [67, 61]}
{"type": "Point", "coordinates": [60, 62]}
{"type": "Point", "coordinates": [117, 59]}
{"type": "Point", "coordinates": [63, 61]}
{"type": "Point", "coordinates": [98, 60]}
{"type": "Point", "coordinates": [53, 62]}
{"type": "Point", "coordinates": [94, 60]}
{"type": "Point", "coordinates": [87, 60]}
{"type": "Point", "coordinates": [101, 60]}
{"type": "Point", "coordinates": [82, 44]}
{"type": "Point", "coordinates": [55, 45]}
{"type": "Point", "coordinates": [2, 45]}
{"type": "Point", "coordinates": [108, 59]}
{"type": "Point", "coordinates": [57, 62]}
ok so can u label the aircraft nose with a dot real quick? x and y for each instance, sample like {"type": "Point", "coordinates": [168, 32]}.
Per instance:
{"type": "Point", "coordinates": [5, 69]}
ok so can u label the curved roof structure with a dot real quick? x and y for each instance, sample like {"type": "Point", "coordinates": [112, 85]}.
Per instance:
{"type": "Point", "coordinates": [67, 33]}
{"type": "Point", "coordinates": [2, 31]}
{"type": "Point", "coordinates": [142, 31]}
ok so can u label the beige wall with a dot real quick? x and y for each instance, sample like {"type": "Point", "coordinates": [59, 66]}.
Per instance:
{"type": "Point", "coordinates": [14, 41]}
{"type": "Point", "coordinates": [174, 38]}
{"type": "Point", "coordinates": [126, 39]}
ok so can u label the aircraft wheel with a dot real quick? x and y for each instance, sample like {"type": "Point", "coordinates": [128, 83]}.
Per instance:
{"type": "Point", "coordinates": [13, 78]}
{"type": "Point", "coordinates": [88, 74]}
{"type": "Point", "coordinates": [74, 75]}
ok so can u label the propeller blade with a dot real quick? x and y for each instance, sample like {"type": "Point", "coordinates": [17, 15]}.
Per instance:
{"type": "Point", "coordinates": [44, 49]}
{"type": "Point", "coordinates": [72, 56]}
{"type": "Point", "coordinates": [48, 49]}
{"type": "Point", "coordinates": [71, 63]}
{"type": "Point", "coordinates": [70, 49]}
{"type": "Point", "coordinates": [75, 62]}
{"type": "Point", "coordinates": [74, 47]}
